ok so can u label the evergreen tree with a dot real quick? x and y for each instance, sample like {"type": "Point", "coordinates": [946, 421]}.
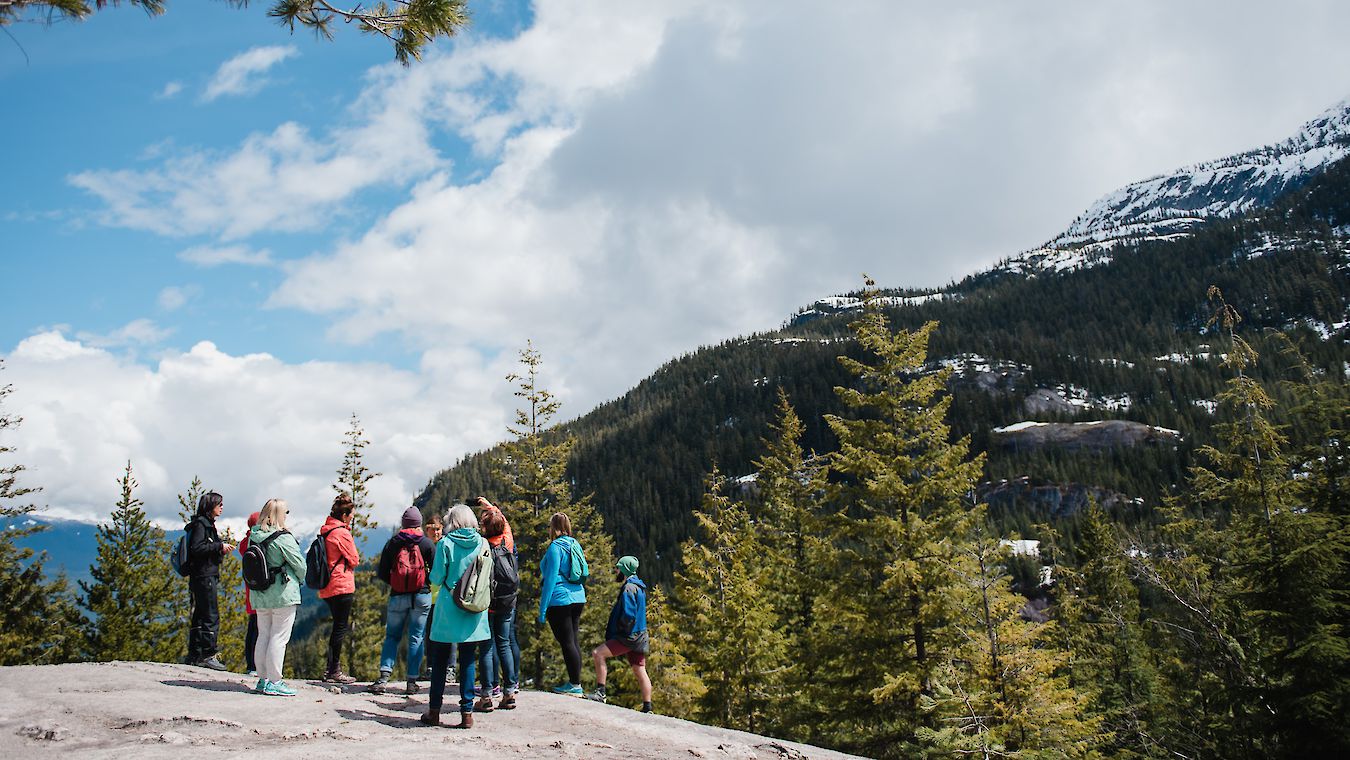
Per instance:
{"type": "Point", "coordinates": [726, 626]}
{"type": "Point", "coordinates": [533, 465]}
{"type": "Point", "coordinates": [133, 614]}
{"type": "Point", "coordinates": [41, 623]}
{"type": "Point", "coordinates": [371, 602]}
{"type": "Point", "coordinates": [1100, 624]}
{"type": "Point", "coordinates": [896, 536]}
{"type": "Point", "coordinates": [786, 523]}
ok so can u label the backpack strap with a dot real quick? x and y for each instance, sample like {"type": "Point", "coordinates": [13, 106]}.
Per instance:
{"type": "Point", "coordinates": [340, 560]}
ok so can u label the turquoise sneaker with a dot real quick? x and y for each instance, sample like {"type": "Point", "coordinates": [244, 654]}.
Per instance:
{"type": "Point", "coordinates": [279, 689]}
{"type": "Point", "coordinates": [570, 689]}
{"type": "Point", "coordinates": [261, 688]}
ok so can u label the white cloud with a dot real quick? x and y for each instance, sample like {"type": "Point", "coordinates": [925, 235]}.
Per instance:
{"type": "Point", "coordinates": [134, 334]}
{"type": "Point", "coordinates": [175, 297]}
{"type": "Point", "coordinates": [170, 90]}
{"type": "Point", "coordinates": [213, 256]}
{"type": "Point", "coordinates": [244, 73]}
{"type": "Point", "coordinates": [253, 427]}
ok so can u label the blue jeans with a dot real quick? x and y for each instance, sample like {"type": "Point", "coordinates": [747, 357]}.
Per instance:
{"type": "Point", "coordinates": [410, 611]}
{"type": "Point", "coordinates": [501, 651]}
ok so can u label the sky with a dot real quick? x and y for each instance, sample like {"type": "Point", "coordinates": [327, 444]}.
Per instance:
{"type": "Point", "coordinates": [219, 240]}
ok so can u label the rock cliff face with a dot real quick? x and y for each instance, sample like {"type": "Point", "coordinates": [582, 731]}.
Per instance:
{"type": "Point", "coordinates": [1051, 500]}
{"type": "Point", "coordinates": [155, 710]}
{"type": "Point", "coordinates": [1083, 436]}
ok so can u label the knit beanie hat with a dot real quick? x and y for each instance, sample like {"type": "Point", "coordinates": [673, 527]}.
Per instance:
{"type": "Point", "coordinates": [412, 518]}
{"type": "Point", "coordinates": [627, 565]}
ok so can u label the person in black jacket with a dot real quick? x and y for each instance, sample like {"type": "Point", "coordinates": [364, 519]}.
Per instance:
{"type": "Point", "coordinates": [405, 564]}
{"type": "Point", "coordinates": [205, 551]}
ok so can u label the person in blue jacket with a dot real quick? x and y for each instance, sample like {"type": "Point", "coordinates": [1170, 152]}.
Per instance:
{"type": "Point", "coordinates": [452, 624]}
{"type": "Point", "coordinates": [562, 597]}
{"type": "Point", "coordinates": [626, 633]}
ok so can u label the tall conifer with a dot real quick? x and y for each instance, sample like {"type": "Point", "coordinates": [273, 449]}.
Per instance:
{"type": "Point", "coordinates": [366, 637]}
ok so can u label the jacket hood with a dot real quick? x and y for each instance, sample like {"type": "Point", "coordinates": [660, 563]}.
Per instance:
{"type": "Point", "coordinates": [408, 536]}
{"type": "Point", "coordinates": [636, 581]}
{"type": "Point", "coordinates": [466, 538]}
{"type": "Point", "coordinates": [565, 541]}
{"type": "Point", "coordinates": [260, 532]}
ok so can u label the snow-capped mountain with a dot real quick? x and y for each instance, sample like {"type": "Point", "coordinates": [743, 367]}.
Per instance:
{"type": "Point", "coordinates": [1172, 204]}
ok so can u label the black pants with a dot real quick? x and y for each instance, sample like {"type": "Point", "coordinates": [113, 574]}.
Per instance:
{"type": "Point", "coordinates": [205, 617]}
{"type": "Point", "coordinates": [340, 607]}
{"type": "Point", "coordinates": [566, 624]}
{"type": "Point", "coordinates": [250, 641]}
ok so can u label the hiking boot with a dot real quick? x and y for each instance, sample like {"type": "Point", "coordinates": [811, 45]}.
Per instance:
{"type": "Point", "coordinates": [484, 704]}
{"type": "Point", "coordinates": [338, 676]}
{"type": "Point", "coordinates": [261, 688]}
{"type": "Point", "coordinates": [465, 720]}
{"type": "Point", "coordinates": [646, 707]}
{"type": "Point", "coordinates": [213, 663]}
{"type": "Point", "coordinates": [411, 688]}
{"type": "Point", "coordinates": [279, 689]}
{"type": "Point", "coordinates": [508, 702]}
{"type": "Point", "coordinates": [431, 717]}
{"type": "Point", "coordinates": [570, 689]}
{"type": "Point", "coordinates": [598, 695]}
{"type": "Point", "coordinates": [380, 685]}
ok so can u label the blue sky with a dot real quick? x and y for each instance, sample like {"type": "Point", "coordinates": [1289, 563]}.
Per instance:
{"type": "Point", "coordinates": [220, 240]}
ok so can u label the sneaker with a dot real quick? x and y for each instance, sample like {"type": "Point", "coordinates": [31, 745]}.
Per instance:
{"type": "Point", "coordinates": [598, 696]}
{"type": "Point", "coordinates": [450, 676]}
{"type": "Point", "coordinates": [646, 707]}
{"type": "Point", "coordinates": [570, 689]}
{"type": "Point", "coordinates": [279, 689]}
{"type": "Point", "coordinates": [213, 663]}
{"type": "Point", "coordinates": [411, 688]}
{"type": "Point", "coordinates": [380, 684]}
{"type": "Point", "coordinates": [497, 692]}
{"type": "Point", "coordinates": [261, 688]}
{"type": "Point", "coordinates": [338, 676]}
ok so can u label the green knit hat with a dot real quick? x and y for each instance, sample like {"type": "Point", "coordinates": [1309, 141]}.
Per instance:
{"type": "Point", "coordinates": [627, 565]}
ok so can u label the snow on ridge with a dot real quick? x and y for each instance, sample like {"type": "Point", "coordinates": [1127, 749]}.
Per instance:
{"type": "Point", "coordinates": [1028, 424]}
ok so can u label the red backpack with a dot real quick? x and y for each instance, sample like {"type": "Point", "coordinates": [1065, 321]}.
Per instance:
{"type": "Point", "coordinates": [409, 574]}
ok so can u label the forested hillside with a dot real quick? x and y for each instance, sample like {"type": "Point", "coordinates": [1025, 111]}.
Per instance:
{"type": "Point", "coordinates": [1123, 336]}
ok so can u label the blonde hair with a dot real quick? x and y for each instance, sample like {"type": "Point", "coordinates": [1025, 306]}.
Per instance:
{"type": "Point", "coordinates": [460, 516]}
{"type": "Point", "coordinates": [559, 525]}
{"type": "Point", "coordinates": [273, 514]}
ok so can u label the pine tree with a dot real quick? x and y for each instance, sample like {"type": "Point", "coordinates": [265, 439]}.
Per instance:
{"type": "Point", "coordinates": [369, 607]}
{"type": "Point", "coordinates": [726, 626]}
{"type": "Point", "coordinates": [533, 465]}
{"type": "Point", "coordinates": [41, 623]}
{"type": "Point", "coordinates": [131, 597]}
{"type": "Point", "coordinates": [787, 526]}
{"type": "Point", "coordinates": [896, 535]}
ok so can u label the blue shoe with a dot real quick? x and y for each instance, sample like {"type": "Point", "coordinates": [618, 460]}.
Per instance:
{"type": "Point", "coordinates": [261, 688]}
{"type": "Point", "coordinates": [570, 689]}
{"type": "Point", "coordinates": [279, 689]}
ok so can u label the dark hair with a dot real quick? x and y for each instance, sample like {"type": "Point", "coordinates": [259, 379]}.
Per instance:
{"type": "Point", "coordinates": [432, 519]}
{"type": "Point", "coordinates": [493, 524]}
{"type": "Point", "coordinates": [559, 525]}
{"type": "Point", "coordinates": [209, 501]}
{"type": "Point", "coordinates": [342, 506]}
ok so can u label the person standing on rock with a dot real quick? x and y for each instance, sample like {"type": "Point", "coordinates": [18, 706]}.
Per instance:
{"type": "Point", "coordinates": [405, 564]}
{"type": "Point", "coordinates": [251, 633]}
{"type": "Point", "coordinates": [453, 624]}
{"type": "Point", "coordinates": [433, 528]}
{"type": "Point", "coordinates": [340, 592]}
{"type": "Point", "coordinates": [626, 633]}
{"type": "Point", "coordinates": [500, 666]}
{"type": "Point", "coordinates": [276, 604]}
{"type": "Point", "coordinates": [205, 551]}
{"type": "Point", "coordinates": [562, 596]}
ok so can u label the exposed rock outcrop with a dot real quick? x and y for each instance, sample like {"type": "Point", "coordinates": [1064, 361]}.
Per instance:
{"type": "Point", "coordinates": [1099, 435]}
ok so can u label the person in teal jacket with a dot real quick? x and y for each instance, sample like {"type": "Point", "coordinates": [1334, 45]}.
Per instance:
{"type": "Point", "coordinates": [452, 624]}
{"type": "Point", "coordinates": [276, 604]}
{"type": "Point", "coordinates": [561, 600]}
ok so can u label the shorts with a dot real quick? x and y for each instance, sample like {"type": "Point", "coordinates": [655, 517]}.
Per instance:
{"type": "Point", "coordinates": [619, 649]}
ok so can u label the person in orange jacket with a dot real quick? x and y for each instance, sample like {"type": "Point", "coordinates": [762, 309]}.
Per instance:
{"type": "Point", "coordinates": [341, 589]}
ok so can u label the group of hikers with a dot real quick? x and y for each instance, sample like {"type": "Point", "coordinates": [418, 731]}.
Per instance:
{"type": "Point", "coordinates": [467, 561]}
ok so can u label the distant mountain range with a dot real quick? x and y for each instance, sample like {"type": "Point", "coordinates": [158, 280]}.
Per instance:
{"type": "Point", "coordinates": [1107, 321]}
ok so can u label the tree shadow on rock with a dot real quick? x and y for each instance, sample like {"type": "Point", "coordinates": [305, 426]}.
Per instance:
{"type": "Point", "coordinates": [211, 685]}
{"type": "Point", "coordinates": [393, 721]}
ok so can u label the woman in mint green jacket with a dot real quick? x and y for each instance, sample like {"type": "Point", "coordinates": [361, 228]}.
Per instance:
{"type": "Point", "coordinates": [276, 604]}
{"type": "Point", "coordinates": [450, 623]}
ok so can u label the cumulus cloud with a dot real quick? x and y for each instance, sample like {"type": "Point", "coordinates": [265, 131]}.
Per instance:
{"type": "Point", "coordinates": [244, 74]}
{"type": "Point", "coordinates": [213, 256]}
{"type": "Point", "coordinates": [253, 427]}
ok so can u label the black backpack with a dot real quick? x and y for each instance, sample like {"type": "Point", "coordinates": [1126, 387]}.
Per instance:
{"type": "Point", "coordinates": [181, 558]}
{"type": "Point", "coordinates": [258, 575]}
{"type": "Point", "coordinates": [317, 570]}
{"type": "Point", "coordinates": [505, 579]}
